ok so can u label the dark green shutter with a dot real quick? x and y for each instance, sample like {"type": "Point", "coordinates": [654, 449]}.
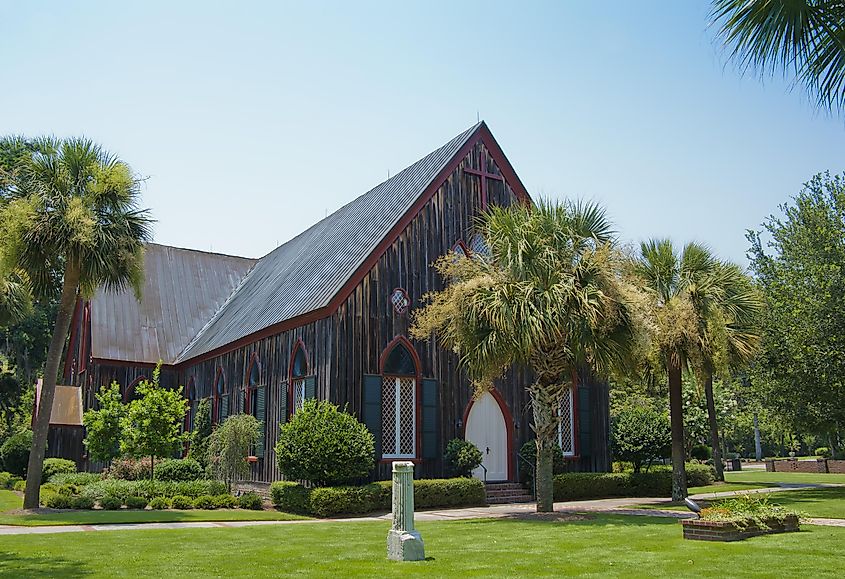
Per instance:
{"type": "Point", "coordinates": [241, 401]}
{"type": "Point", "coordinates": [223, 411]}
{"type": "Point", "coordinates": [283, 404]}
{"type": "Point", "coordinates": [260, 394]}
{"type": "Point", "coordinates": [310, 388]}
{"type": "Point", "coordinates": [193, 419]}
{"type": "Point", "coordinates": [430, 440]}
{"type": "Point", "coordinates": [372, 409]}
{"type": "Point", "coordinates": [585, 426]}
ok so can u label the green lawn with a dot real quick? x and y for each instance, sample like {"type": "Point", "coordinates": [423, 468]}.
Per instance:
{"type": "Point", "coordinates": [728, 486]}
{"type": "Point", "coordinates": [760, 476]}
{"type": "Point", "coordinates": [607, 546]}
{"type": "Point", "coordinates": [822, 503]}
{"type": "Point", "coordinates": [10, 500]}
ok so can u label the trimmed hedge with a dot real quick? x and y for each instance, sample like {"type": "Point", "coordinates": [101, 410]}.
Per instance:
{"type": "Point", "coordinates": [225, 502]}
{"type": "Point", "coordinates": [330, 501]}
{"type": "Point", "coordinates": [55, 466]}
{"type": "Point", "coordinates": [8, 480]}
{"type": "Point", "coordinates": [251, 501]}
{"type": "Point", "coordinates": [82, 503]}
{"type": "Point", "coordinates": [111, 503]}
{"type": "Point", "coordinates": [151, 489]}
{"type": "Point", "coordinates": [178, 469]}
{"type": "Point", "coordinates": [58, 501]}
{"type": "Point", "coordinates": [136, 502]}
{"type": "Point", "coordinates": [205, 503]}
{"type": "Point", "coordinates": [182, 502]}
{"type": "Point", "coordinates": [161, 503]}
{"type": "Point", "coordinates": [655, 483]}
{"type": "Point", "coordinates": [77, 478]}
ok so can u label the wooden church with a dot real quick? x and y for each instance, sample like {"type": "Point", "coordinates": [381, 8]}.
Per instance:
{"type": "Point", "coordinates": [326, 315]}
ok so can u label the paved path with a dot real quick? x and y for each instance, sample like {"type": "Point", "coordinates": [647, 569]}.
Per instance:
{"type": "Point", "coordinates": [619, 506]}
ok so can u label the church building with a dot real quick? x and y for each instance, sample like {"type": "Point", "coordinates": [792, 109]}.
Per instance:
{"type": "Point", "coordinates": [326, 315]}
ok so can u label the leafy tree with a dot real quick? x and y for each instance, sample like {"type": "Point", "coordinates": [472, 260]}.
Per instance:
{"type": "Point", "coordinates": [72, 208]}
{"type": "Point", "coordinates": [201, 433]}
{"type": "Point", "coordinates": [229, 447]}
{"type": "Point", "coordinates": [152, 425]}
{"type": "Point", "coordinates": [806, 37]}
{"type": "Point", "coordinates": [324, 445]}
{"type": "Point", "coordinates": [546, 295]}
{"type": "Point", "coordinates": [801, 270]}
{"type": "Point", "coordinates": [462, 456]}
{"type": "Point", "coordinates": [104, 426]}
{"type": "Point", "coordinates": [640, 434]}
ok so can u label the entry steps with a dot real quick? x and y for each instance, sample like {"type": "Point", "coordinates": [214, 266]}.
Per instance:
{"type": "Point", "coordinates": [504, 493]}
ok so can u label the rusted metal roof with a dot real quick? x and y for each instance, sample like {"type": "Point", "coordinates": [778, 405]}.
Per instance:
{"type": "Point", "coordinates": [305, 273]}
{"type": "Point", "coordinates": [183, 288]}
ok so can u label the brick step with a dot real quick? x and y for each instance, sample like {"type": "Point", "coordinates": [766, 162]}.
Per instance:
{"type": "Point", "coordinates": [500, 486]}
{"type": "Point", "coordinates": [509, 500]}
{"type": "Point", "coordinates": [509, 493]}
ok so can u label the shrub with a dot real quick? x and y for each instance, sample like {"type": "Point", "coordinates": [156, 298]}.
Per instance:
{"type": "Point", "coordinates": [640, 434]}
{"type": "Point", "coordinates": [182, 502]}
{"type": "Point", "coordinates": [19, 486]}
{"type": "Point", "coordinates": [14, 453]}
{"type": "Point", "coordinates": [229, 447]}
{"type": "Point", "coordinates": [747, 508]}
{"type": "Point", "coordinates": [225, 501]}
{"type": "Point", "coordinates": [450, 492]}
{"type": "Point", "coordinates": [325, 446]}
{"type": "Point", "coordinates": [699, 475]}
{"type": "Point", "coordinates": [129, 469]}
{"type": "Point", "coordinates": [328, 501]}
{"type": "Point", "coordinates": [823, 451]}
{"type": "Point", "coordinates": [82, 503]}
{"type": "Point", "coordinates": [58, 501]}
{"type": "Point", "coordinates": [160, 503]}
{"type": "Point", "coordinates": [587, 485]}
{"type": "Point", "coordinates": [201, 433]}
{"type": "Point", "coordinates": [176, 469]}
{"type": "Point", "coordinates": [55, 466]}
{"type": "Point", "coordinates": [150, 489]}
{"type": "Point", "coordinates": [111, 503]}
{"type": "Point", "coordinates": [701, 452]}
{"type": "Point", "coordinates": [63, 489]}
{"type": "Point", "coordinates": [462, 457]}
{"type": "Point", "coordinates": [290, 497]}
{"type": "Point", "coordinates": [251, 501]}
{"type": "Point", "coordinates": [136, 502]}
{"type": "Point", "coordinates": [205, 502]}
{"type": "Point", "coordinates": [8, 480]}
{"type": "Point", "coordinates": [80, 479]}
{"type": "Point", "coordinates": [528, 452]}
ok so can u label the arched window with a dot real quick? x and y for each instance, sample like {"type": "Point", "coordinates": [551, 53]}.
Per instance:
{"type": "Point", "coordinates": [220, 400]}
{"type": "Point", "coordinates": [129, 394]}
{"type": "Point", "coordinates": [400, 372]}
{"type": "Point", "coordinates": [460, 249]}
{"type": "Point", "coordinates": [298, 373]}
{"type": "Point", "coordinates": [478, 246]}
{"type": "Point", "coordinates": [566, 424]}
{"type": "Point", "coordinates": [253, 382]}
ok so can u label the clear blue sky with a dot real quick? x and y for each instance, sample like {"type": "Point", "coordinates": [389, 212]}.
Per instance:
{"type": "Point", "coordinates": [253, 119]}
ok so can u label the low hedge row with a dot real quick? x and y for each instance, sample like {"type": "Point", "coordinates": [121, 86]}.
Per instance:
{"type": "Point", "coordinates": [8, 480]}
{"type": "Point", "coordinates": [655, 483]}
{"type": "Point", "coordinates": [151, 489]}
{"type": "Point", "coordinates": [355, 500]}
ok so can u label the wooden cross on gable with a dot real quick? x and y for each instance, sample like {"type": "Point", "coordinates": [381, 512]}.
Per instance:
{"type": "Point", "coordinates": [484, 175]}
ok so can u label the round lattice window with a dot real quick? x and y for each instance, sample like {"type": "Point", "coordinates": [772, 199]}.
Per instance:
{"type": "Point", "coordinates": [399, 299]}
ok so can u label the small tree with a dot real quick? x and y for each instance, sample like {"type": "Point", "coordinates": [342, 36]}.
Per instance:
{"type": "Point", "coordinates": [229, 446]}
{"type": "Point", "coordinates": [104, 428]}
{"type": "Point", "coordinates": [325, 446]}
{"type": "Point", "coordinates": [201, 433]}
{"type": "Point", "coordinates": [153, 422]}
{"type": "Point", "coordinates": [640, 435]}
{"type": "Point", "coordinates": [462, 456]}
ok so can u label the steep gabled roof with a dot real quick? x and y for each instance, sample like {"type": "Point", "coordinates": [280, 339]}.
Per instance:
{"type": "Point", "coordinates": [305, 273]}
{"type": "Point", "coordinates": [183, 288]}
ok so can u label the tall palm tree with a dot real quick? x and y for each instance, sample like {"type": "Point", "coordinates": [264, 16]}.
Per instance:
{"type": "Point", "coordinates": [74, 208]}
{"type": "Point", "coordinates": [546, 295]}
{"type": "Point", "coordinates": [806, 37]}
{"type": "Point", "coordinates": [676, 284]}
{"type": "Point", "coordinates": [15, 297]}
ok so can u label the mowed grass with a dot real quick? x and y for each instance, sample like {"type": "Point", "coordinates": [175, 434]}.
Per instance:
{"type": "Point", "coordinates": [606, 546]}
{"type": "Point", "coordinates": [759, 476]}
{"type": "Point", "coordinates": [10, 501]}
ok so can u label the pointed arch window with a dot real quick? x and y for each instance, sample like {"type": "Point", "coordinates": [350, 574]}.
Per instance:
{"type": "Point", "coordinates": [478, 246]}
{"type": "Point", "coordinates": [191, 395]}
{"type": "Point", "coordinates": [400, 373]}
{"type": "Point", "coordinates": [254, 400]}
{"type": "Point", "coordinates": [129, 394]}
{"type": "Point", "coordinates": [460, 249]}
{"type": "Point", "coordinates": [566, 423]}
{"type": "Point", "coordinates": [220, 399]}
{"type": "Point", "coordinates": [301, 383]}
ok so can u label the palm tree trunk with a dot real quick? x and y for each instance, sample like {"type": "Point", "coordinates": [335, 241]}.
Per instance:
{"type": "Point", "coordinates": [676, 411]}
{"type": "Point", "coordinates": [70, 288]}
{"type": "Point", "coordinates": [545, 428]}
{"type": "Point", "coordinates": [714, 427]}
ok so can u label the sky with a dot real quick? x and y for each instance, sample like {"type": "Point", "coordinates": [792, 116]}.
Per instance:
{"type": "Point", "coordinates": [252, 120]}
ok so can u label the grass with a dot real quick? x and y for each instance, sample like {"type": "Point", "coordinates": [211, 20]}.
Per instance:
{"type": "Point", "coordinates": [10, 500]}
{"type": "Point", "coordinates": [607, 546]}
{"type": "Point", "coordinates": [760, 476]}
{"type": "Point", "coordinates": [728, 486]}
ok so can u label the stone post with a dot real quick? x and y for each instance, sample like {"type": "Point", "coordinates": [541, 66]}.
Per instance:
{"type": "Point", "coordinates": [403, 541]}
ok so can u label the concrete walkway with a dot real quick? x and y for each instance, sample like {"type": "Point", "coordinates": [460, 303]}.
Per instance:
{"type": "Point", "coordinates": [618, 506]}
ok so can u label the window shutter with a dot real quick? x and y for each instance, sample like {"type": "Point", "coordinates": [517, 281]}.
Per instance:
{"type": "Point", "coordinates": [260, 394]}
{"type": "Point", "coordinates": [372, 409]}
{"type": "Point", "coordinates": [193, 418]}
{"type": "Point", "coordinates": [283, 404]}
{"type": "Point", "coordinates": [585, 426]}
{"type": "Point", "coordinates": [430, 440]}
{"type": "Point", "coordinates": [241, 401]}
{"type": "Point", "coordinates": [311, 388]}
{"type": "Point", "coordinates": [223, 411]}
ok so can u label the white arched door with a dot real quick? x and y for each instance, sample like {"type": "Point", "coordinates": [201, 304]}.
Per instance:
{"type": "Point", "coordinates": [487, 430]}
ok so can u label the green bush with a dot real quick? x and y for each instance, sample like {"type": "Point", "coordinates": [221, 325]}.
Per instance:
{"type": "Point", "coordinates": [290, 497]}
{"type": "Point", "coordinates": [529, 450]}
{"type": "Point", "coordinates": [82, 503]}
{"type": "Point", "coordinates": [14, 452]}
{"type": "Point", "coordinates": [205, 502]}
{"type": "Point", "coordinates": [58, 501]}
{"type": "Point", "coordinates": [824, 452]}
{"type": "Point", "coordinates": [329, 501]}
{"type": "Point", "coordinates": [640, 434]}
{"type": "Point", "coordinates": [701, 452]}
{"type": "Point", "coordinates": [80, 479]}
{"type": "Point", "coordinates": [150, 489]}
{"type": "Point", "coordinates": [700, 475]}
{"type": "Point", "coordinates": [325, 446]}
{"type": "Point", "coordinates": [589, 485]}
{"type": "Point", "coordinates": [178, 469]}
{"type": "Point", "coordinates": [462, 457]}
{"type": "Point", "coordinates": [182, 502]}
{"type": "Point", "coordinates": [251, 501]}
{"type": "Point", "coordinates": [129, 469]}
{"type": "Point", "coordinates": [19, 485]}
{"type": "Point", "coordinates": [8, 480]}
{"type": "Point", "coordinates": [111, 503]}
{"type": "Point", "coordinates": [161, 503]}
{"type": "Point", "coordinates": [225, 502]}
{"type": "Point", "coordinates": [136, 502]}
{"type": "Point", "coordinates": [54, 466]}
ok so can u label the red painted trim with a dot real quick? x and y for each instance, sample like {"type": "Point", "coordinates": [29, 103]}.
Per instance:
{"type": "Point", "coordinates": [407, 298]}
{"type": "Point", "coordinates": [463, 247]}
{"type": "Point", "coordinates": [417, 389]}
{"type": "Point", "coordinates": [482, 135]}
{"type": "Point", "coordinates": [393, 343]}
{"type": "Point", "coordinates": [509, 424]}
{"type": "Point", "coordinates": [127, 364]}
{"type": "Point", "coordinates": [131, 388]}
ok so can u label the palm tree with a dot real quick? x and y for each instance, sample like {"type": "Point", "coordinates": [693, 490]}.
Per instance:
{"type": "Point", "coordinates": [15, 297]}
{"type": "Point", "coordinates": [74, 209]}
{"type": "Point", "coordinates": [806, 37]}
{"type": "Point", "coordinates": [545, 295]}
{"type": "Point", "coordinates": [676, 285]}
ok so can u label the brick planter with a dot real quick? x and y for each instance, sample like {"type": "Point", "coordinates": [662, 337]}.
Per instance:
{"type": "Point", "coordinates": [698, 530]}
